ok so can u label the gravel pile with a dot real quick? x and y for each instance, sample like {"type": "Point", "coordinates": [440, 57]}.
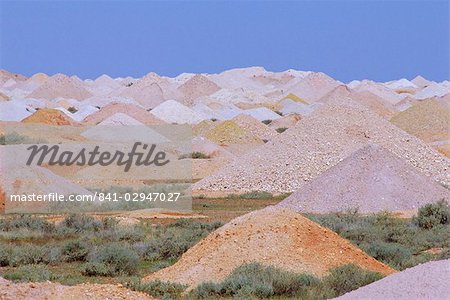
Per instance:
{"type": "Point", "coordinates": [372, 180]}
{"type": "Point", "coordinates": [286, 121]}
{"type": "Point", "coordinates": [428, 120]}
{"type": "Point", "coordinates": [14, 111]}
{"type": "Point", "coordinates": [432, 90]}
{"type": "Point", "coordinates": [60, 85]}
{"type": "Point", "coordinates": [272, 236]}
{"type": "Point", "coordinates": [151, 90]}
{"type": "Point", "coordinates": [197, 86]}
{"type": "Point", "coordinates": [318, 142]}
{"type": "Point", "coordinates": [136, 112]}
{"type": "Point", "coordinates": [55, 291]}
{"type": "Point", "coordinates": [311, 87]}
{"type": "Point", "coordinates": [228, 132]}
{"type": "Point", "coordinates": [379, 90]}
{"type": "Point", "coordinates": [288, 106]}
{"type": "Point", "coordinates": [261, 113]}
{"type": "Point", "coordinates": [254, 126]}
{"type": "Point", "coordinates": [426, 281]}
{"type": "Point", "coordinates": [374, 103]}
{"type": "Point", "coordinates": [172, 111]}
{"type": "Point", "coordinates": [49, 116]}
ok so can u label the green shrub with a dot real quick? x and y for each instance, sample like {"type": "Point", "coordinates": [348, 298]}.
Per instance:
{"type": "Point", "coordinates": [432, 215]}
{"type": "Point", "coordinates": [267, 122]}
{"type": "Point", "coordinates": [33, 273]}
{"type": "Point", "coordinates": [14, 138]}
{"type": "Point", "coordinates": [158, 289]}
{"type": "Point", "coordinates": [256, 280]}
{"type": "Point", "coordinates": [348, 278]}
{"type": "Point", "coordinates": [75, 251]}
{"type": "Point", "coordinates": [72, 109]}
{"type": "Point", "coordinates": [28, 254]}
{"type": "Point", "coordinates": [81, 223]}
{"type": "Point", "coordinates": [279, 112]}
{"type": "Point", "coordinates": [195, 155]}
{"type": "Point", "coordinates": [281, 129]}
{"type": "Point", "coordinates": [6, 252]}
{"type": "Point", "coordinates": [390, 253]}
{"type": "Point", "coordinates": [26, 222]}
{"type": "Point", "coordinates": [112, 259]}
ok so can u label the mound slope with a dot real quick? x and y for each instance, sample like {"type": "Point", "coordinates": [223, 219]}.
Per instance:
{"type": "Point", "coordinates": [428, 120]}
{"type": "Point", "coordinates": [61, 86]}
{"type": "Point", "coordinates": [372, 179]}
{"type": "Point", "coordinates": [318, 142]}
{"type": "Point", "coordinates": [425, 281]}
{"type": "Point", "coordinates": [254, 126]}
{"type": "Point", "coordinates": [228, 132]}
{"type": "Point", "coordinates": [134, 111]}
{"type": "Point", "coordinates": [49, 116]}
{"type": "Point", "coordinates": [272, 236]}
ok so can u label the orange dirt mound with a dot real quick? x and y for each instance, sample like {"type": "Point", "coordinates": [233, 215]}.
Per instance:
{"type": "Point", "coordinates": [50, 117]}
{"type": "Point", "coordinates": [271, 236]}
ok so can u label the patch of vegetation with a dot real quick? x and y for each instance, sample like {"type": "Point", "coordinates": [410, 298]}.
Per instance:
{"type": "Point", "coordinates": [397, 242]}
{"type": "Point", "coordinates": [255, 281]}
{"type": "Point", "coordinates": [158, 289]}
{"type": "Point", "coordinates": [281, 129]}
{"type": "Point", "coordinates": [13, 138]}
{"type": "Point", "coordinates": [214, 119]}
{"type": "Point", "coordinates": [72, 109]}
{"type": "Point", "coordinates": [432, 215]}
{"type": "Point", "coordinates": [251, 195]}
{"type": "Point", "coordinates": [267, 122]}
{"type": "Point", "coordinates": [279, 112]}
{"type": "Point", "coordinates": [34, 273]}
{"type": "Point", "coordinates": [195, 155]}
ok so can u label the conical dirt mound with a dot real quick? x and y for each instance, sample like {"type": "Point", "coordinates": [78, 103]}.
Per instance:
{"type": "Point", "coordinates": [271, 236]}
{"type": "Point", "coordinates": [61, 86]}
{"type": "Point", "coordinates": [372, 179]}
{"type": "Point", "coordinates": [318, 142]}
{"type": "Point", "coordinates": [428, 120]}
{"type": "Point", "coordinates": [425, 281]}
{"type": "Point", "coordinates": [50, 117]}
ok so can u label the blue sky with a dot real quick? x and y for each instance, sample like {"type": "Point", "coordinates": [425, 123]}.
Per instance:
{"type": "Point", "coordinates": [379, 40]}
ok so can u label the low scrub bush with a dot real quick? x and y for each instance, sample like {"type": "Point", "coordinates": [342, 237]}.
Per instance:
{"type": "Point", "coordinates": [267, 122]}
{"type": "Point", "coordinates": [195, 155]}
{"type": "Point", "coordinates": [81, 223]}
{"type": "Point", "coordinates": [348, 278]}
{"type": "Point", "coordinates": [281, 129]}
{"type": "Point", "coordinates": [432, 215]}
{"type": "Point", "coordinates": [33, 273]}
{"type": "Point", "coordinates": [158, 289]}
{"type": "Point", "coordinates": [391, 253]}
{"type": "Point", "coordinates": [255, 280]}
{"type": "Point", "coordinates": [75, 251]}
{"type": "Point", "coordinates": [112, 260]}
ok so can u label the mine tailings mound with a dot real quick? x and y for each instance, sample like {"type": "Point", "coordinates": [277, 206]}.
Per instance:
{"type": "Point", "coordinates": [372, 180]}
{"type": "Point", "coordinates": [271, 236]}
{"type": "Point", "coordinates": [425, 281]}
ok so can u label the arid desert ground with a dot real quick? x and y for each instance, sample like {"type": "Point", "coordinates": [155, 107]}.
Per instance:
{"type": "Point", "coordinates": [303, 187]}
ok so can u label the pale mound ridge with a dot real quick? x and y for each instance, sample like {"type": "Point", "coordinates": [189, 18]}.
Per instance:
{"type": "Point", "coordinates": [60, 85]}
{"type": "Point", "coordinates": [295, 98]}
{"type": "Point", "coordinates": [374, 103]}
{"type": "Point", "coordinates": [203, 145]}
{"type": "Point", "coordinates": [428, 120]}
{"type": "Point", "coordinates": [197, 86]}
{"type": "Point", "coordinates": [6, 75]}
{"type": "Point", "coordinates": [372, 180]}
{"type": "Point", "coordinates": [134, 111]}
{"type": "Point", "coordinates": [432, 90]}
{"type": "Point", "coordinates": [3, 97]}
{"type": "Point", "coordinates": [14, 111]}
{"type": "Point", "coordinates": [56, 291]}
{"type": "Point", "coordinates": [272, 236]}
{"type": "Point", "coordinates": [151, 90]}
{"type": "Point", "coordinates": [254, 126]}
{"type": "Point", "coordinates": [261, 113]}
{"type": "Point", "coordinates": [228, 132]}
{"type": "Point", "coordinates": [425, 281]}
{"type": "Point", "coordinates": [401, 85]}
{"type": "Point", "coordinates": [286, 121]}
{"type": "Point", "coordinates": [239, 95]}
{"type": "Point", "coordinates": [420, 81]}
{"type": "Point", "coordinates": [378, 89]}
{"type": "Point", "coordinates": [206, 111]}
{"type": "Point", "coordinates": [319, 141]}
{"type": "Point", "coordinates": [172, 111]}
{"type": "Point", "coordinates": [116, 128]}
{"type": "Point", "coordinates": [49, 116]}
{"type": "Point", "coordinates": [289, 106]}
{"type": "Point", "coordinates": [312, 87]}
